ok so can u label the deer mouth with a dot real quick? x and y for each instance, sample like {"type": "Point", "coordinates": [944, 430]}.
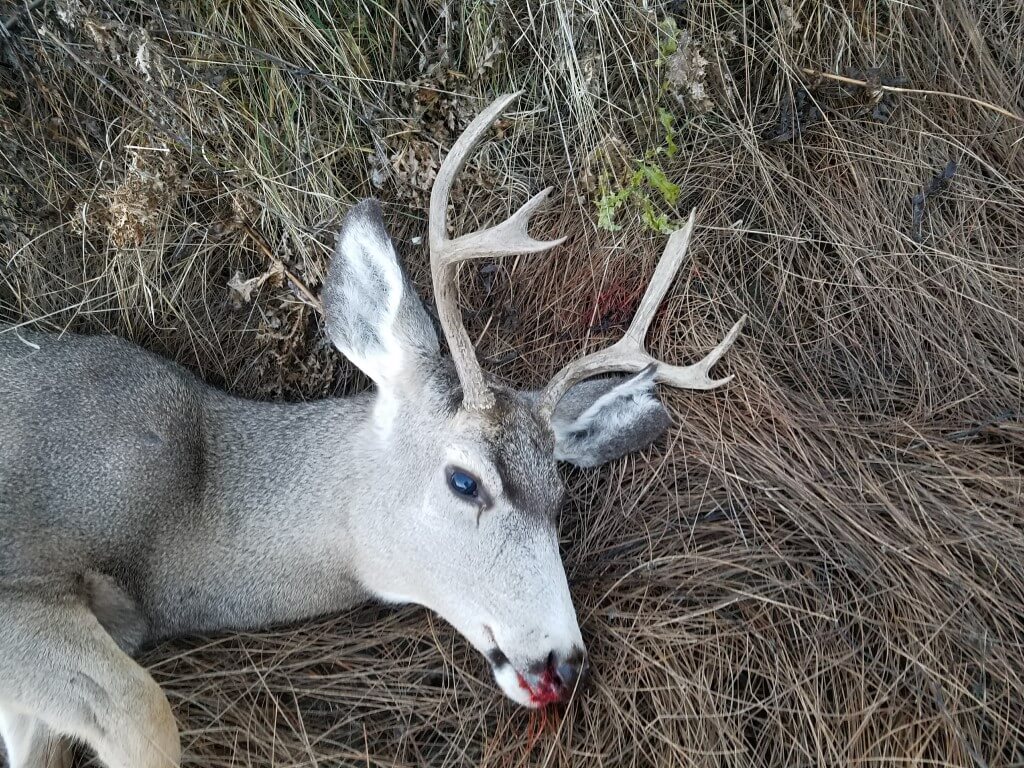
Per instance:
{"type": "Point", "coordinates": [544, 689]}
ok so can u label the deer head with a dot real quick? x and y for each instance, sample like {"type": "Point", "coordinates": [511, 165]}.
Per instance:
{"type": "Point", "coordinates": [463, 498]}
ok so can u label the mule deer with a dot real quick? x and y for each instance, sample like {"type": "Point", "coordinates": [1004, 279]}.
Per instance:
{"type": "Point", "coordinates": [138, 503]}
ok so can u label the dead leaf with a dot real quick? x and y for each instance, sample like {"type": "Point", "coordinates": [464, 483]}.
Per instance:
{"type": "Point", "coordinates": [242, 288]}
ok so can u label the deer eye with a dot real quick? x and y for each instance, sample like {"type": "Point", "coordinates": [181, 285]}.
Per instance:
{"type": "Point", "coordinates": [463, 483]}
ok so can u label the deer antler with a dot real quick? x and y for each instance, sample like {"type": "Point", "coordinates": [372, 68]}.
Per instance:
{"type": "Point", "coordinates": [629, 354]}
{"type": "Point", "coordinates": [509, 237]}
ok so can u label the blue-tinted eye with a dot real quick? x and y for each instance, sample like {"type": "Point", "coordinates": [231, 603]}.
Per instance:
{"type": "Point", "coordinates": [462, 483]}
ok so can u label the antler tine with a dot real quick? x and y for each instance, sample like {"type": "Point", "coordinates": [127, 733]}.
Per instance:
{"type": "Point", "coordinates": [629, 353]}
{"type": "Point", "coordinates": [507, 238]}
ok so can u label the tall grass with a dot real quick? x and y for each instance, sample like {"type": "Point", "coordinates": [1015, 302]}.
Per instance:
{"type": "Point", "coordinates": [822, 565]}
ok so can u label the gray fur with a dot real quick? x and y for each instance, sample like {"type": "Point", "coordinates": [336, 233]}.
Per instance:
{"type": "Point", "coordinates": [603, 419]}
{"type": "Point", "coordinates": [138, 503]}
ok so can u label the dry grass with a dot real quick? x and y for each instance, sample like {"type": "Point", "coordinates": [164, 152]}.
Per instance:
{"type": "Point", "coordinates": [823, 565]}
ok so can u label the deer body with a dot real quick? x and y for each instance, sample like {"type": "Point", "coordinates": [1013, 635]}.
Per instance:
{"type": "Point", "coordinates": [138, 503]}
{"type": "Point", "coordinates": [209, 512]}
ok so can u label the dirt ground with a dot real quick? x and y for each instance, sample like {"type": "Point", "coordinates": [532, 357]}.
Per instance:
{"type": "Point", "coordinates": [822, 564]}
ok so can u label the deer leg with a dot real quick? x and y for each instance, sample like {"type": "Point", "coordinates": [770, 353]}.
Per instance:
{"type": "Point", "coordinates": [61, 673]}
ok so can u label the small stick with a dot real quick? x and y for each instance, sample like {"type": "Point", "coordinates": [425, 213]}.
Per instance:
{"type": "Point", "coordinates": [306, 295]}
{"type": "Point", "coordinates": [912, 91]}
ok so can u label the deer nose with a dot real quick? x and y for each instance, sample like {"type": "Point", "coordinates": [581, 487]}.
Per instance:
{"type": "Point", "coordinates": [569, 673]}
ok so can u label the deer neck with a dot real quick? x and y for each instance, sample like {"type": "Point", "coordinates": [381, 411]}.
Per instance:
{"type": "Point", "coordinates": [272, 540]}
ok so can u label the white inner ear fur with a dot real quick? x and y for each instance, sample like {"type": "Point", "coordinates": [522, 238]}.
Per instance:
{"type": "Point", "coordinates": [377, 256]}
{"type": "Point", "coordinates": [371, 259]}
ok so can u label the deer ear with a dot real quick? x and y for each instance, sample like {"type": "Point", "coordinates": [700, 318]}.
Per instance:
{"type": "Point", "coordinates": [601, 420]}
{"type": "Point", "coordinates": [374, 316]}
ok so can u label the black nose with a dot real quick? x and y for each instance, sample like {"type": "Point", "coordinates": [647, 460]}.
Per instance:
{"type": "Point", "coordinates": [569, 673]}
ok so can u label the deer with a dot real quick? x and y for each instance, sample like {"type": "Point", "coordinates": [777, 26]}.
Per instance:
{"type": "Point", "coordinates": [139, 503]}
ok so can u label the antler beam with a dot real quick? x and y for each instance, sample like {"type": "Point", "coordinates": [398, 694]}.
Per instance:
{"type": "Point", "coordinates": [505, 239]}
{"type": "Point", "coordinates": [629, 353]}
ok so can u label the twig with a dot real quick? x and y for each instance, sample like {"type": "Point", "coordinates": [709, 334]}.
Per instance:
{"type": "Point", "coordinates": [305, 294]}
{"type": "Point", "coordinates": [994, 421]}
{"type": "Point", "coordinates": [938, 183]}
{"type": "Point", "coordinates": [912, 91]}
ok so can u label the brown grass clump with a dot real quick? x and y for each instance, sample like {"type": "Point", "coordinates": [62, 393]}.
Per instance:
{"type": "Point", "coordinates": [822, 565]}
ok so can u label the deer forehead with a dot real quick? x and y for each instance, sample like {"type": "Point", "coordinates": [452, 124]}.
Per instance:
{"type": "Point", "coordinates": [522, 451]}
